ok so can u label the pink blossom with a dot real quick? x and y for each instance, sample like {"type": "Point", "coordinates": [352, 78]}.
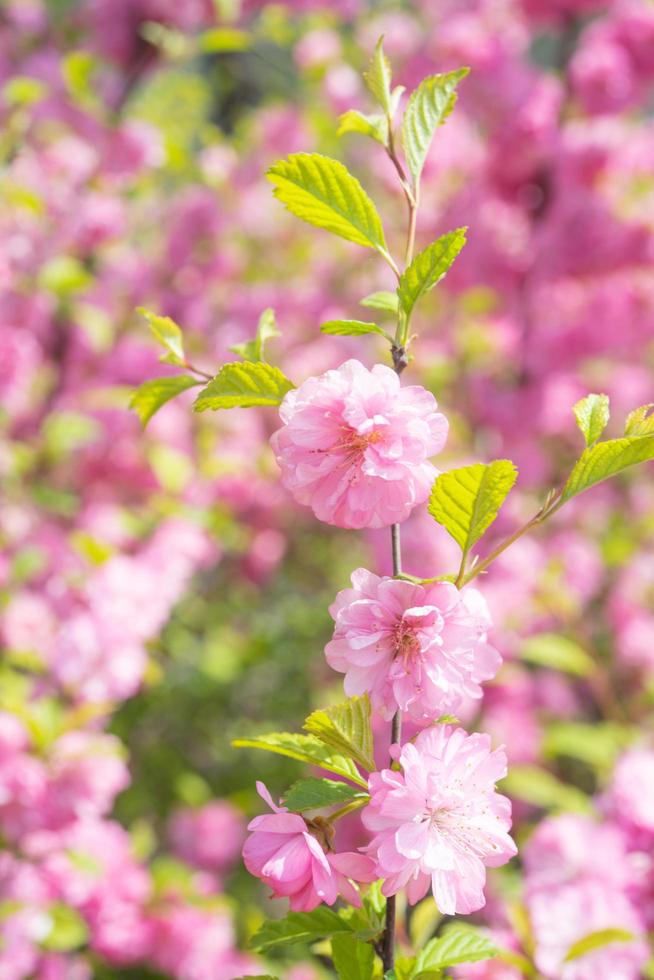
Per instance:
{"type": "Point", "coordinates": [194, 943]}
{"type": "Point", "coordinates": [209, 837]}
{"type": "Point", "coordinates": [419, 648]}
{"type": "Point", "coordinates": [291, 856]}
{"type": "Point", "coordinates": [439, 820]}
{"type": "Point", "coordinates": [631, 795]}
{"type": "Point", "coordinates": [355, 446]}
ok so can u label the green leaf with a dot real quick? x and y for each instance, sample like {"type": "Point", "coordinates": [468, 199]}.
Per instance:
{"type": "Point", "coordinates": [596, 940]}
{"type": "Point", "coordinates": [353, 959]}
{"type": "Point", "coordinates": [64, 275]}
{"type": "Point", "coordinates": [640, 422]}
{"type": "Point", "coordinates": [221, 39]}
{"type": "Point", "coordinates": [322, 192]}
{"type": "Point", "coordinates": [311, 794]}
{"type": "Point", "coordinates": [68, 931]}
{"type": "Point", "coordinates": [300, 927]}
{"type": "Point", "coordinates": [151, 395]}
{"type": "Point", "coordinates": [242, 385]}
{"type": "Point", "coordinates": [592, 415]}
{"type": "Point", "coordinates": [382, 300]}
{"type": "Point", "coordinates": [77, 69]}
{"type": "Point", "coordinates": [346, 727]}
{"type": "Point", "coordinates": [21, 90]}
{"type": "Point", "coordinates": [542, 789]}
{"type": "Point", "coordinates": [353, 121]}
{"type": "Point", "coordinates": [352, 328]}
{"type": "Point", "coordinates": [428, 108]}
{"type": "Point", "coordinates": [167, 333]}
{"type": "Point", "coordinates": [378, 77]}
{"type": "Point", "coordinates": [458, 944]}
{"type": "Point", "coordinates": [606, 459]}
{"type": "Point", "coordinates": [557, 652]}
{"type": "Point", "coordinates": [428, 268]}
{"type": "Point", "coordinates": [403, 969]}
{"type": "Point", "coordinates": [596, 744]}
{"type": "Point", "coordinates": [466, 501]}
{"type": "Point", "coordinates": [304, 748]}
{"type": "Point", "coordinates": [254, 350]}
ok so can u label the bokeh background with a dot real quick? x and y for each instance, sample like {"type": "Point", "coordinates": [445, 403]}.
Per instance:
{"type": "Point", "coordinates": [159, 592]}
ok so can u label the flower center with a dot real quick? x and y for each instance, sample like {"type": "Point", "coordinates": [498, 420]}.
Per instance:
{"type": "Point", "coordinates": [354, 443]}
{"type": "Point", "coordinates": [405, 641]}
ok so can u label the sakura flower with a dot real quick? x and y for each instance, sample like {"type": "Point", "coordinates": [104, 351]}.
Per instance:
{"type": "Point", "coordinates": [292, 856]}
{"type": "Point", "coordinates": [355, 446]}
{"type": "Point", "coordinates": [422, 649]}
{"type": "Point", "coordinates": [439, 820]}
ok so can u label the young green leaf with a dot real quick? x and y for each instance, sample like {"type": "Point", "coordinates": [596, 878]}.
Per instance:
{"type": "Point", "coordinates": [346, 728]}
{"type": "Point", "coordinates": [428, 268]}
{"type": "Point", "coordinates": [254, 350]}
{"type": "Point", "coordinates": [605, 459]}
{"type": "Point", "coordinates": [353, 959]}
{"type": "Point", "coordinates": [352, 328]}
{"type": "Point", "coordinates": [382, 300]}
{"type": "Point", "coordinates": [596, 940]}
{"type": "Point", "coordinates": [379, 79]}
{"type": "Point", "coordinates": [167, 333]}
{"type": "Point", "coordinates": [640, 422]}
{"type": "Point", "coordinates": [598, 744]}
{"type": "Point", "coordinates": [466, 501]}
{"type": "Point", "coordinates": [558, 653]}
{"type": "Point", "coordinates": [68, 930]}
{"type": "Point", "coordinates": [151, 395]}
{"type": "Point", "coordinates": [322, 192]}
{"type": "Point", "coordinates": [242, 385]}
{"type": "Point", "coordinates": [311, 794]}
{"type": "Point", "coordinates": [304, 748]}
{"type": "Point", "coordinates": [300, 927]}
{"type": "Point", "coordinates": [458, 944]}
{"type": "Point", "coordinates": [540, 788]}
{"type": "Point", "coordinates": [428, 108]}
{"type": "Point", "coordinates": [592, 415]}
{"type": "Point", "coordinates": [353, 121]}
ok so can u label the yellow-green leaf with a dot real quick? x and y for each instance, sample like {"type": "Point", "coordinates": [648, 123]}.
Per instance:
{"type": "Point", "coordinates": [151, 395]}
{"type": "Point", "coordinates": [466, 501]}
{"type": "Point", "coordinates": [322, 192]}
{"type": "Point", "coordinates": [640, 422]}
{"type": "Point", "coordinates": [242, 385]}
{"type": "Point", "coordinates": [346, 728]}
{"type": "Point", "coordinates": [558, 653]}
{"type": "Point", "coordinates": [353, 959]}
{"type": "Point", "coordinates": [304, 748]}
{"type": "Point", "coordinates": [428, 108]}
{"type": "Point", "coordinates": [605, 459]}
{"type": "Point", "coordinates": [352, 328]}
{"type": "Point", "coordinates": [428, 268]}
{"type": "Point", "coordinates": [542, 789]}
{"type": "Point", "coordinates": [254, 350]}
{"type": "Point", "coordinates": [353, 121]}
{"type": "Point", "coordinates": [167, 333]}
{"type": "Point", "coordinates": [382, 300]}
{"type": "Point", "coordinates": [596, 940]}
{"type": "Point", "coordinates": [592, 415]}
{"type": "Point", "coordinates": [378, 77]}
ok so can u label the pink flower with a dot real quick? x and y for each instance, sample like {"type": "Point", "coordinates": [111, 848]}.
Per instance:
{"type": "Point", "coordinates": [418, 648]}
{"type": "Point", "coordinates": [210, 837]}
{"type": "Point", "coordinates": [631, 795]}
{"type": "Point", "coordinates": [285, 852]}
{"type": "Point", "coordinates": [355, 446]}
{"type": "Point", "coordinates": [440, 820]}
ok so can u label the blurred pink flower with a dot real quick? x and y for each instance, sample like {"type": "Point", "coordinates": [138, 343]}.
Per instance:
{"type": "Point", "coordinates": [355, 445]}
{"type": "Point", "coordinates": [210, 837]}
{"type": "Point", "coordinates": [285, 854]}
{"type": "Point", "coordinates": [418, 648]}
{"type": "Point", "coordinates": [439, 821]}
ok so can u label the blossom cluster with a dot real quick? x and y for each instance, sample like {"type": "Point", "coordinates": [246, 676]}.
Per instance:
{"type": "Point", "coordinates": [109, 202]}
